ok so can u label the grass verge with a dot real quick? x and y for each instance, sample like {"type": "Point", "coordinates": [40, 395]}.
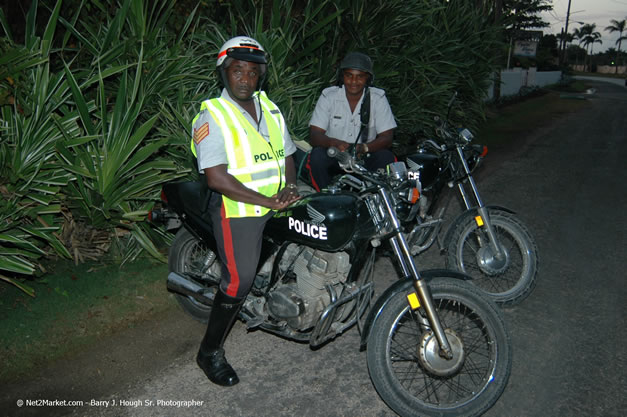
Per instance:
{"type": "Point", "coordinates": [74, 307]}
{"type": "Point", "coordinates": [513, 121]}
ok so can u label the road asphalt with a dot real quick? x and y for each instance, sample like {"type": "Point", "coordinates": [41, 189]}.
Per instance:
{"type": "Point", "coordinates": [566, 181]}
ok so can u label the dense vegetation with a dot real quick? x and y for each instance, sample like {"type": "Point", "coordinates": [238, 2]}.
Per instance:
{"type": "Point", "coordinates": [97, 98]}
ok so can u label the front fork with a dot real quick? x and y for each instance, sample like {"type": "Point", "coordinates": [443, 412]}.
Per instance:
{"type": "Point", "coordinates": [483, 219]}
{"type": "Point", "coordinates": [406, 261]}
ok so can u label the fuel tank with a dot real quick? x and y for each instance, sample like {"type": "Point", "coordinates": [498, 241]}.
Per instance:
{"type": "Point", "coordinates": [325, 221]}
{"type": "Point", "coordinates": [425, 167]}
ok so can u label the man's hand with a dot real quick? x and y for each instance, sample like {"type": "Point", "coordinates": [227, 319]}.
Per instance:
{"type": "Point", "coordinates": [284, 198]}
{"type": "Point", "coordinates": [362, 149]}
{"type": "Point", "coordinates": [342, 146]}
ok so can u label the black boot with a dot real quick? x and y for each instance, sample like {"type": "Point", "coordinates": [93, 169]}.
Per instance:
{"type": "Point", "coordinates": [210, 357]}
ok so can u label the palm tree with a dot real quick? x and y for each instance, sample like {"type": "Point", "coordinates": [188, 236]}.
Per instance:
{"type": "Point", "coordinates": [589, 38]}
{"type": "Point", "coordinates": [579, 34]}
{"type": "Point", "coordinates": [617, 26]}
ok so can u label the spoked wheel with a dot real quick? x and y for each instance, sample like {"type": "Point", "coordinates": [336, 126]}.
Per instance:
{"type": "Point", "coordinates": [191, 257]}
{"type": "Point", "coordinates": [404, 361]}
{"type": "Point", "coordinates": [507, 279]}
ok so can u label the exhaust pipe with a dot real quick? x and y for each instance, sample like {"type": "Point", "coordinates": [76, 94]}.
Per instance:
{"type": "Point", "coordinates": [181, 285]}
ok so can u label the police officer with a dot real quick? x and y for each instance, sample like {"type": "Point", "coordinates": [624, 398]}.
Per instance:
{"type": "Point", "coordinates": [244, 149]}
{"type": "Point", "coordinates": [337, 120]}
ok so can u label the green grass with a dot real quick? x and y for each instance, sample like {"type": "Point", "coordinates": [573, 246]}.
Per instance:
{"type": "Point", "coordinates": [74, 307]}
{"type": "Point", "coordinates": [512, 122]}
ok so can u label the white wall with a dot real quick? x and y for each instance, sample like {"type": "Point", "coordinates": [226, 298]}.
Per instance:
{"type": "Point", "coordinates": [603, 69]}
{"type": "Point", "coordinates": [512, 80]}
{"type": "Point", "coordinates": [547, 78]}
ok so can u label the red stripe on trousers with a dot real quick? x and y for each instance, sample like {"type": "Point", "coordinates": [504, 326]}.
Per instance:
{"type": "Point", "coordinates": [308, 166]}
{"type": "Point", "coordinates": [231, 266]}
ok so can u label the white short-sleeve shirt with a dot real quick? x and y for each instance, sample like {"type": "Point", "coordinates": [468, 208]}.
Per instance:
{"type": "Point", "coordinates": [210, 151]}
{"type": "Point", "coordinates": [333, 115]}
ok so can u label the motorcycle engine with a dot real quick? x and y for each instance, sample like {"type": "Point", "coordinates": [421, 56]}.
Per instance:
{"type": "Point", "coordinates": [317, 274]}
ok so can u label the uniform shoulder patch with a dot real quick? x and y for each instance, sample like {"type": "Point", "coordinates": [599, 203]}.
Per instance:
{"type": "Point", "coordinates": [201, 133]}
{"type": "Point", "coordinates": [377, 91]}
{"type": "Point", "coordinates": [329, 91]}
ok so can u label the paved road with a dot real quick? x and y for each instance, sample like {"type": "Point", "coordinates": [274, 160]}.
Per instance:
{"type": "Point", "coordinates": [567, 183]}
{"type": "Point", "coordinates": [618, 81]}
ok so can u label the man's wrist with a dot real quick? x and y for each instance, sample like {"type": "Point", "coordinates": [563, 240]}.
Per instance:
{"type": "Point", "coordinates": [291, 185]}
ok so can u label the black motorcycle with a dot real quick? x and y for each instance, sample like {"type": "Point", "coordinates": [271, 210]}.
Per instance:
{"type": "Point", "coordinates": [488, 242]}
{"type": "Point", "coordinates": [436, 345]}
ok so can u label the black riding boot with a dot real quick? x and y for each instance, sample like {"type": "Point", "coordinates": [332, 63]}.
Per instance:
{"type": "Point", "coordinates": [211, 354]}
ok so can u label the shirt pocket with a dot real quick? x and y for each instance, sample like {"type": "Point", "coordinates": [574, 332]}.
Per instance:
{"type": "Point", "coordinates": [337, 127]}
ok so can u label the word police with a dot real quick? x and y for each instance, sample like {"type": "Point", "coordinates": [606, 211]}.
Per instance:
{"type": "Point", "coordinates": [266, 156]}
{"type": "Point", "coordinates": [307, 229]}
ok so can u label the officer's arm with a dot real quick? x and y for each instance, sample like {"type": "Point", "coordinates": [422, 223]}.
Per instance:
{"type": "Point", "coordinates": [290, 170]}
{"type": "Point", "coordinates": [289, 192]}
{"type": "Point", "coordinates": [221, 181]}
{"type": "Point", "coordinates": [382, 141]}
{"type": "Point", "coordinates": [318, 137]}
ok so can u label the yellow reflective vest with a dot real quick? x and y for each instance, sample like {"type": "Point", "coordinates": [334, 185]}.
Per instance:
{"type": "Point", "coordinates": [253, 161]}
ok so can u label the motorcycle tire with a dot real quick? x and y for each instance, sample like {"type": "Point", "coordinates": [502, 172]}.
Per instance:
{"type": "Point", "coordinates": [414, 380]}
{"type": "Point", "coordinates": [507, 282]}
{"type": "Point", "coordinates": [188, 256]}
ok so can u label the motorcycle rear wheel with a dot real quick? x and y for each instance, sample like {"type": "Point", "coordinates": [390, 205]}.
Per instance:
{"type": "Point", "coordinates": [467, 386]}
{"type": "Point", "coordinates": [508, 282]}
{"type": "Point", "coordinates": [188, 256]}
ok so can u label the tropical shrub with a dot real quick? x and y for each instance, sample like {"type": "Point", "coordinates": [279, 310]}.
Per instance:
{"type": "Point", "coordinates": [96, 111]}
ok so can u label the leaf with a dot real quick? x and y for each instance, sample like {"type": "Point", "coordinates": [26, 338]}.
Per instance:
{"type": "Point", "coordinates": [5, 25]}
{"type": "Point", "coordinates": [28, 290]}
{"type": "Point", "coordinates": [84, 41]}
{"type": "Point", "coordinates": [80, 102]}
{"type": "Point", "coordinates": [50, 238]}
{"type": "Point", "coordinates": [50, 27]}
{"type": "Point", "coordinates": [17, 265]}
{"type": "Point", "coordinates": [146, 243]}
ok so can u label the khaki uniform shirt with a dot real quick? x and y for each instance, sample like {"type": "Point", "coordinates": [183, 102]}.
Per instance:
{"type": "Point", "coordinates": [333, 115]}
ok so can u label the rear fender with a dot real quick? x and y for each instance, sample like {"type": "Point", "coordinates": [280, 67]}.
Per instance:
{"type": "Point", "coordinates": [190, 200]}
{"type": "Point", "coordinates": [188, 196]}
{"type": "Point", "coordinates": [402, 285]}
{"type": "Point", "coordinates": [464, 217]}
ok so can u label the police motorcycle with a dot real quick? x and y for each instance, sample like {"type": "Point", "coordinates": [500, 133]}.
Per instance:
{"type": "Point", "coordinates": [489, 242]}
{"type": "Point", "coordinates": [436, 345]}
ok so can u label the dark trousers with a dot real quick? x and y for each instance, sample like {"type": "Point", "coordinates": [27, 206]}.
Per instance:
{"type": "Point", "coordinates": [323, 168]}
{"type": "Point", "coordinates": [239, 247]}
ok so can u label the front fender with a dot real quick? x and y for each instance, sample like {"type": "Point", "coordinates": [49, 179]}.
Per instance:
{"type": "Point", "coordinates": [402, 285]}
{"type": "Point", "coordinates": [463, 217]}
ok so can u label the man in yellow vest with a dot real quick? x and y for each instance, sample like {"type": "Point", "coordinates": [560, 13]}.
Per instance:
{"type": "Point", "coordinates": [244, 149]}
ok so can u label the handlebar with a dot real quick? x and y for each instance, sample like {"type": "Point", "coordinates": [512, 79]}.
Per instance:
{"type": "Point", "coordinates": [344, 158]}
{"type": "Point", "coordinates": [396, 172]}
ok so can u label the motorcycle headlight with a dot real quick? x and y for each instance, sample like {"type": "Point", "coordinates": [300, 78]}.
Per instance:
{"type": "Point", "coordinates": [466, 135]}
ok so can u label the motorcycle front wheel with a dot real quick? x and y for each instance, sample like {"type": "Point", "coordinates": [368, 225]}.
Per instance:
{"type": "Point", "coordinates": [414, 380]}
{"type": "Point", "coordinates": [508, 280]}
{"type": "Point", "coordinates": [188, 256]}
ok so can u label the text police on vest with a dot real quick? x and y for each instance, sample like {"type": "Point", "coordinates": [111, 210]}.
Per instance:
{"type": "Point", "coordinates": [268, 156]}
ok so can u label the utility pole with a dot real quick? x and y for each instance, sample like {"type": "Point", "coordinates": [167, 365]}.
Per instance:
{"type": "Point", "coordinates": [498, 13]}
{"type": "Point", "coordinates": [563, 51]}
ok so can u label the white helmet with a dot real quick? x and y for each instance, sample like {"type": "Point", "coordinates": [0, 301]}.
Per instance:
{"type": "Point", "coordinates": [242, 48]}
